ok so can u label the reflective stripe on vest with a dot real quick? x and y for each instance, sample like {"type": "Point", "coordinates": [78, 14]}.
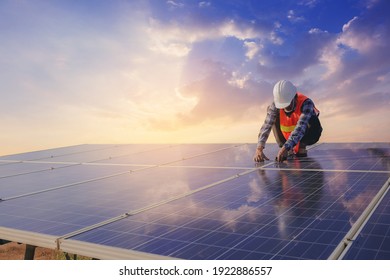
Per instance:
{"type": "Point", "coordinates": [287, 129]}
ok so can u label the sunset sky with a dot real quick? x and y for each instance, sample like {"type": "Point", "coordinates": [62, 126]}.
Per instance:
{"type": "Point", "coordinates": [177, 71]}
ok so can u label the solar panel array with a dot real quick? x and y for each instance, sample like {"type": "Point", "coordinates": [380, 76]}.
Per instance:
{"type": "Point", "coordinates": [199, 201]}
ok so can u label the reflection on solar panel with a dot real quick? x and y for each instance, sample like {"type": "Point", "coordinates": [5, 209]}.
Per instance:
{"type": "Point", "coordinates": [373, 242]}
{"type": "Point", "coordinates": [200, 201]}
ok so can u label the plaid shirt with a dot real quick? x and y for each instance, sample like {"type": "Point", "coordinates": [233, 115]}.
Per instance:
{"type": "Point", "coordinates": [300, 129]}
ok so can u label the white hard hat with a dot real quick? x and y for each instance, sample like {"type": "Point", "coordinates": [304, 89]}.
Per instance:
{"type": "Point", "coordinates": [284, 92]}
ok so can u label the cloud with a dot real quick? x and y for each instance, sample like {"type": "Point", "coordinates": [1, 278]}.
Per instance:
{"type": "Point", "coordinates": [174, 4]}
{"type": "Point", "coordinates": [170, 48]}
{"type": "Point", "coordinates": [176, 32]}
{"type": "Point", "coordinates": [293, 17]}
{"type": "Point", "coordinates": [357, 62]}
{"type": "Point", "coordinates": [364, 36]}
{"type": "Point", "coordinates": [174, 39]}
{"type": "Point", "coordinates": [252, 49]}
{"type": "Point", "coordinates": [64, 78]}
{"type": "Point", "coordinates": [229, 90]}
{"type": "Point", "coordinates": [204, 4]}
{"type": "Point", "coordinates": [218, 98]}
{"type": "Point", "coordinates": [178, 64]}
{"type": "Point", "coordinates": [309, 3]}
{"type": "Point", "coordinates": [240, 81]}
{"type": "Point", "coordinates": [306, 52]}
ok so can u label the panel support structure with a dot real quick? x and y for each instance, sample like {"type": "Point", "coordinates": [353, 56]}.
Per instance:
{"type": "Point", "coordinates": [30, 252]}
{"type": "Point", "coordinates": [35, 239]}
{"type": "Point", "coordinates": [106, 252]}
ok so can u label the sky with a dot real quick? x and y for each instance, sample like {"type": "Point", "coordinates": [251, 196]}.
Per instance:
{"type": "Point", "coordinates": [177, 71]}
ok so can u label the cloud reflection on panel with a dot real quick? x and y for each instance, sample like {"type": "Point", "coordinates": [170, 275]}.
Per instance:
{"type": "Point", "coordinates": [257, 203]}
{"type": "Point", "coordinates": [296, 198]}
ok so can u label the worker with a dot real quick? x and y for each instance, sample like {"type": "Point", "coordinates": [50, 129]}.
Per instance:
{"type": "Point", "coordinates": [293, 119]}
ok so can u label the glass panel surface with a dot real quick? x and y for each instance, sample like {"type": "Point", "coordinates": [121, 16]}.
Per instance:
{"type": "Point", "coordinates": [331, 157]}
{"type": "Point", "coordinates": [168, 155]}
{"type": "Point", "coordinates": [266, 214]}
{"type": "Point", "coordinates": [373, 242]}
{"type": "Point", "coordinates": [52, 178]}
{"type": "Point", "coordinates": [63, 210]}
{"type": "Point", "coordinates": [108, 153]}
{"type": "Point", "coordinates": [46, 154]}
{"type": "Point", "coordinates": [14, 169]}
{"type": "Point", "coordinates": [299, 209]}
{"type": "Point", "coordinates": [238, 156]}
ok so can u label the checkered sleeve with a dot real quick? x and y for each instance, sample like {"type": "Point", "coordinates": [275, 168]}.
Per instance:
{"type": "Point", "coordinates": [267, 125]}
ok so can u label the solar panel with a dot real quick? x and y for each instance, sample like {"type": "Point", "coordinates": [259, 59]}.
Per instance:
{"type": "Point", "coordinates": [168, 155]}
{"type": "Point", "coordinates": [240, 156]}
{"type": "Point", "coordinates": [335, 157]}
{"type": "Point", "coordinates": [257, 216]}
{"type": "Point", "coordinates": [18, 168]}
{"type": "Point", "coordinates": [373, 241]}
{"type": "Point", "coordinates": [106, 153]}
{"type": "Point", "coordinates": [192, 201]}
{"type": "Point", "coordinates": [45, 154]}
{"type": "Point", "coordinates": [51, 178]}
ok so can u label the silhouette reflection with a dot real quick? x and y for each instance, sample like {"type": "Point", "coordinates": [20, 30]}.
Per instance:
{"type": "Point", "coordinates": [296, 196]}
{"type": "Point", "coordinates": [383, 154]}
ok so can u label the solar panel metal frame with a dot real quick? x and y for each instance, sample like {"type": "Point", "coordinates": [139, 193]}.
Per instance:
{"type": "Point", "coordinates": [342, 249]}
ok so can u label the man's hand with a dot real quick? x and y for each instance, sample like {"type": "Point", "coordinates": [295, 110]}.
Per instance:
{"type": "Point", "coordinates": [259, 155]}
{"type": "Point", "coordinates": [282, 154]}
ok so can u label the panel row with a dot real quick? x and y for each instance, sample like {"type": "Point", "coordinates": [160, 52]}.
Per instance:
{"type": "Point", "coordinates": [192, 201]}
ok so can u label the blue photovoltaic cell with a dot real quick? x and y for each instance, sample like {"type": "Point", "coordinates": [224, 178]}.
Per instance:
{"type": "Point", "coordinates": [171, 154]}
{"type": "Point", "coordinates": [45, 154]}
{"type": "Point", "coordinates": [352, 146]}
{"type": "Point", "coordinates": [108, 153]}
{"type": "Point", "coordinates": [364, 156]}
{"type": "Point", "coordinates": [53, 178]}
{"type": "Point", "coordinates": [263, 215]}
{"type": "Point", "coordinates": [238, 156]}
{"type": "Point", "coordinates": [13, 169]}
{"type": "Point", "coordinates": [63, 210]}
{"type": "Point", "coordinates": [373, 242]}
{"type": "Point", "coordinates": [187, 201]}
{"type": "Point", "coordinates": [85, 153]}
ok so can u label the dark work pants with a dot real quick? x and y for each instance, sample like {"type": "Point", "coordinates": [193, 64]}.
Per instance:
{"type": "Point", "coordinates": [311, 136]}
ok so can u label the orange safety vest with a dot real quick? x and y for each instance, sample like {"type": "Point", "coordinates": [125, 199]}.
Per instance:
{"type": "Point", "coordinates": [288, 123]}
